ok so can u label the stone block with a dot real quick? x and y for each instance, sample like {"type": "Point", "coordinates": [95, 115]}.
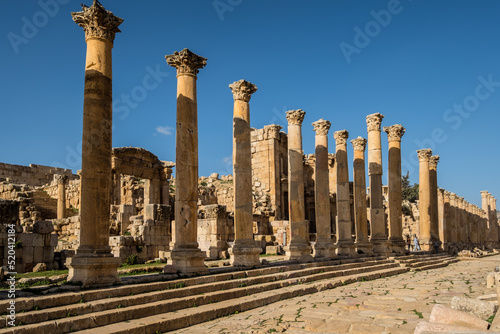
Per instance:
{"type": "Point", "coordinates": [428, 327]}
{"type": "Point", "coordinates": [272, 250]}
{"type": "Point", "coordinates": [445, 315]}
{"type": "Point", "coordinates": [53, 240]}
{"type": "Point", "coordinates": [479, 308]}
{"type": "Point", "coordinates": [37, 254]}
{"type": "Point", "coordinates": [37, 240]}
{"type": "Point", "coordinates": [40, 267]}
{"type": "Point", "coordinates": [27, 254]}
{"type": "Point", "coordinates": [43, 227]}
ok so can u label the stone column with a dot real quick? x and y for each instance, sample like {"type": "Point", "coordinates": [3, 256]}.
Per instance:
{"type": "Point", "coordinates": [185, 254]}
{"type": "Point", "coordinates": [360, 216]}
{"type": "Point", "coordinates": [116, 188]}
{"type": "Point", "coordinates": [245, 251]}
{"type": "Point", "coordinates": [424, 199]}
{"type": "Point", "coordinates": [323, 248]}
{"type": "Point", "coordinates": [453, 219]}
{"type": "Point", "coordinates": [345, 245]}
{"type": "Point", "coordinates": [299, 247]}
{"type": "Point", "coordinates": [445, 223]}
{"type": "Point", "coordinates": [61, 195]}
{"type": "Point", "coordinates": [433, 188]}
{"type": "Point", "coordinates": [485, 204]}
{"type": "Point", "coordinates": [494, 220]}
{"type": "Point", "coordinates": [93, 263]}
{"type": "Point", "coordinates": [394, 134]}
{"type": "Point", "coordinates": [152, 191]}
{"type": "Point", "coordinates": [461, 219]}
{"type": "Point", "coordinates": [377, 213]}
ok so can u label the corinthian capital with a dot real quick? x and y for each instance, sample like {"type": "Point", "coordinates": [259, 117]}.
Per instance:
{"type": "Point", "coordinates": [433, 161]}
{"type": "Point", "coordinates": [321, 127]}
{"type": "Point", "coordinates": [341, 137]}
{"type": "Point", "coordinates": [424, 154]}
{"type": "Point", "coordinates": [60, 179]}
{"type": "Point", "coordinates": [394, 132]}
{"type": "Point", "coordinates": [97, 21]}
{"type": "Point", "coordinates": [295, 116]}
{"type": "Point", "coordinates": [242, 90]}
{"type": "Point", "coordinates": [186, 62]}
{"type": "Point", "coordinates": [359, 144]}
{"type": "Point", "coordinates": [484, 193]}
{"type": "Point", "coordinates": [374, 121]}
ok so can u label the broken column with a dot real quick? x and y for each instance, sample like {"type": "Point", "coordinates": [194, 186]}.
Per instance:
{"type": "Point", "coordinates": [360, 217]}
{"type": "Point", "coordinates": [345, 246]}
{"type": "Point", "coordinates": [61, 195]}
{"type": "Point", "coordinates": [299, 247]}
{"type": "Point", "coordinates": [185, 254]}
{"type": "Point", "coordinates": [324, 247]}
{"type": "Point", "coordinates": [377, 214]}
{"type": "Point", "coordinates": [424, 199]}
{"type": "Point", "coordinates": [433, 189]}
{"type": "Point", "coordinates": [394, 134]}
{"type": "Point", "coordinates": [93, 263]}
{"type": "Point", "coordinates": [245, 251]}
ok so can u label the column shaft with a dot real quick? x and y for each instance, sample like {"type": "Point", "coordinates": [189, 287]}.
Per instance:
{"type": "Point", "coordinates": [433, 188]}
{"type": "Point", "coordinates": [424, 199]}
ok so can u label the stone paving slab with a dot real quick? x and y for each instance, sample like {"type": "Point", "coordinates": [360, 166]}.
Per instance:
{"type": "Point", "coordinates": [388, 305]}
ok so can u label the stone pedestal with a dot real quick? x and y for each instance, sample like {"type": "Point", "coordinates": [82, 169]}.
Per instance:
{"type": "Point", "coordinates": [345, 244]}
{"type": "Point", "coordinates": [61, 195]}
{"type": "Point", "coordinates": [299, 248]}
{"type": "Point", "coordinates": [245, 252]}
{"type": "Point", "coordinates": [93, 263]}
{"type": "Point", "coordinates": [363, 246]}
{"type": "Point", "coordinates": [377, 213]}
{"type": "Point", "coordinates": [324, 247]}
{"type": "Point", "coordinates": [395, 222]}
{"type": "Point", "coordinates": [433, 189]}
{"type": "Point", "coordinates": [185, 254]}
{"type": "Point", "coordinates": [424, 195]}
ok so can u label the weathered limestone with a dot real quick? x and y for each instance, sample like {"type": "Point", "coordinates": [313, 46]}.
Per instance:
{"type": "Point", "coordinates": [424, 199]}
{"type": "Point", "coordinates": [360, 217]}
{"type": "Point", "coordinates": [445, 228]}
{"type": "Point", "coordinates": [487, 203]}
{"type": "Point", "coordinates": [185, 253]}
{"type": "Point", "coordinates": [61, 195]}
{"type": "Point", "coordinates": [433, 188]}
{"type": "Point", "coordinates": [323, 248]}
{"type": "Point", "coordinates": [345, 245]}
{"type": "Point", "coordinates": [377, 215]}
{"type": "Point", "coordinates": [299, 247]}
{"type": "Point", "coordinates": [244, 252]}
{"type": "Point", "coordinates": [394, 134]}
{"type": "Point", "coordinates": [93, 263]}
{"type": "Point", "coordinates": [453, 218]}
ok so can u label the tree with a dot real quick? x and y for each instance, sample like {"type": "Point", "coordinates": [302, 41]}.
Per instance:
{"type": "Point", "coordinates": [408, 193]}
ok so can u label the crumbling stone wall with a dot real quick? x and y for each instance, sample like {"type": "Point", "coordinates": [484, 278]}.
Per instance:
{"type": "Point", "coordinates": [215, 230]}
{"type": "Point", "coordinates": [33, 175]}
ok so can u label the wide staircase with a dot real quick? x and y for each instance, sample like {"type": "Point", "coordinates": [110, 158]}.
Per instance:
{"type": "Point", "coordinates": [425, 261]}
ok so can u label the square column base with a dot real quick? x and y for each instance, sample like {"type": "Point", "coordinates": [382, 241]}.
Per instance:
{"type": "Point", "coordinates": [381, 247]}
{"type": "Point", "coordinates": [398, 247]}
{"type": "Point", "coordinates": [324, 250]}
{"type": "Point", "coordinates": [363, 248]}
{"type": "Point", "coordinates": [245, 254]}
{"type": "Point", "coordinates": [93, 271]}
{"type": "Point", "coordinates": [188, 261]}
{"type": "Point", "coordinates": [300, 252]}
{"type": "Point", "coordinates": [346, 249]}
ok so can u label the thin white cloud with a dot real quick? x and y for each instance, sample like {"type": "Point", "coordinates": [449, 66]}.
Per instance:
{"type": "Point", "coordinates": [228, 160]}
{"type": "Point", "coordinates": [165, 130]}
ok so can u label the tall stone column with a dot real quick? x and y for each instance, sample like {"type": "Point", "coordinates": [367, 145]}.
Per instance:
{"type": "Point", "coordinates": [345, 245]}
{"type": "Point", "coordinates": [61, 196]}
{"type": "Point", "coordinates": [360, 217]}
{"type": "Point", "coordinates": [485, 204]}
{"type": "Point", "coordinates": [245, 251]}
{"type": "Point", "coordinates": [299, 247]}
{"type": "Point", "coordinates": [494, 220]}
{"type": "Point", "coordinates": [93, 263]}
{"type": "Point", "coordinates": [461, 220]}
{"type": "Point", "coordinates": [444, 219]}
{"type": "Point", "coordinates": [185, 254]}
{"type": "Point", "coordinates": [394, 134]}
{"type": "Point", "coordinates": [433, 188]}
{"type": "Point", "coordinates": [323, 248]}
{"type": "Point", "coordinates": [424, 195]}
{"type": "Point", "coordinates": [453, 219]}
{"type": "Point", "coordinates": [377, 213]}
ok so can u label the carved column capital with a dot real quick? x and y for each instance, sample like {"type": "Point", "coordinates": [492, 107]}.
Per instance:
{"type": "Point", "coordinates": [97, 21]}
{"type": "Point", "coordinates": [374, 121]}
{"type": "Point", "coordinates": [61, 179]}
{"type": "Point", "coordinates": [359, 144]}
{"type": "Point", "coordinates": [272, 131]}
{"type": "Point", "coordinates": [186, 62]}
{"type": "Point", "coordinates": [295, 116]}
{"type": "Point", "coordinates": [424, 154]}
{"type": "Point", "coordinates": [447, 194]}
{"type": "Point", "coordinates": [341, 137]}
{"type": "Point", "coordinates": [242, 90]}
{"type": "Point", "coordinates": [394, 132]}
{"type": "Point", "coordinates": [484, 194]}
{"type": "Point", "coordinates": [321, 127]}
{"type": "Point", "coordinates": [433, 161]}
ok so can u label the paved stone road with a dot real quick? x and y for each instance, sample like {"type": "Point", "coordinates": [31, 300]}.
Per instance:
{"type": "Point", "coordinates": [388, 305]}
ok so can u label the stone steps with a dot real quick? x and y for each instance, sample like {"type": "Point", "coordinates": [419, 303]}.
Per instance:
{"type": "Point", "coordinates": [90, 309]}
{"type": "Point", "coordinates": [426, 261]}
{"type": "Point", "coordinates": [437, 265]}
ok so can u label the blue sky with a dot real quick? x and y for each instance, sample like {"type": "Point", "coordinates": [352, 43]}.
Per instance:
{"type": "Point", "coordinates": [431, 65]}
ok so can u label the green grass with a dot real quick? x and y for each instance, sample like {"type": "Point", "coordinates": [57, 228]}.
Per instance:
{"type": "Point", "coordinates": [42, 274]}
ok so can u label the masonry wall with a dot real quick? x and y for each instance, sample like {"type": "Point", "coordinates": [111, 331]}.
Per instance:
{"type": "Point", "coordinates": [34, 175]}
